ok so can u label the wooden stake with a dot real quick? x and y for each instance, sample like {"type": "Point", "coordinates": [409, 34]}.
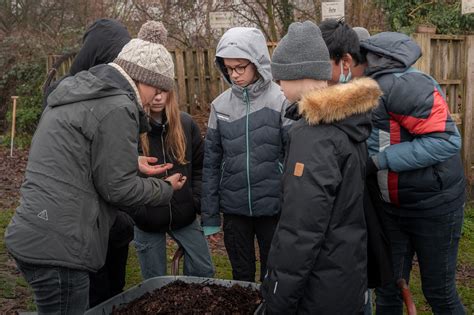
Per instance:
{"type": "Point", "coordinates": [14, 98]}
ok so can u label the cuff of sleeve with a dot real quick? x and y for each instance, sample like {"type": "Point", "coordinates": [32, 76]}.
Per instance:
{"type": "Point", "coordinates": [209, 230]}
{"type": "Point", "coordinates": [381, 161]}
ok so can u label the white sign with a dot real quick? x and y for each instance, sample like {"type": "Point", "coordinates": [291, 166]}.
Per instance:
{"type": "Point", "coordinates": [467, 6]}
{"type": "Point", "coordinates": [221, 19]}
{"type": "Point", "coordinates": [332, 10]}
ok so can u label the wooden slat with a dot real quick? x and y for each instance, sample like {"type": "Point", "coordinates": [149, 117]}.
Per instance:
{"type": "Point", "coordinates": [452, 99]}
{"type": "Point", "coordinates": [201, 74]}
{"type": "Point", "coordinates": [449, 82]}
{"type": "Point", "coordinates": [213, 81]}
{"type": "Point", "coordinates": [180, 74]}
{"type": "Point", "coordinates": [469, 103]}
{"type": "Point", "coordinates": [448, 37]}
{"type": "Point", "coordinates": [424, 63]}
{"type": "Point", "coordinates": [190, 80]}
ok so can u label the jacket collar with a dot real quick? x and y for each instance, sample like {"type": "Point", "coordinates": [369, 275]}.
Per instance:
{"type": "Point", "coordinates": [339, 101]}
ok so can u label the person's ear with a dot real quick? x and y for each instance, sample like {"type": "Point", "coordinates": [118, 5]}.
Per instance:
{"type": "Point", "coordinates": [346, 61]}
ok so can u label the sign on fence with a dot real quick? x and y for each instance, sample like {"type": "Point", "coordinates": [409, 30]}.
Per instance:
{"type": "Point", "coordinates": [220, 20]}
{"type": "Point", "coordinates": [332, 10]}
{"type": "Point", "coordinates": [467, 6]}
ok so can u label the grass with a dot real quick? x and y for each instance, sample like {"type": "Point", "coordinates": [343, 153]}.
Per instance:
{"type": "Point", "coordinates": [14, 288]}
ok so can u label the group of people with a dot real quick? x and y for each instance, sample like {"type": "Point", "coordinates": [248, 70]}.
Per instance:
{"type": "Point", "coordinates": [338, 156]}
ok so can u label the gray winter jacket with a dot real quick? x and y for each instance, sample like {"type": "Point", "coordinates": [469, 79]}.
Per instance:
{"type": "Point", "coordinates": [83, 159]}
{"type": "Point", "coordinates": [245, 139]}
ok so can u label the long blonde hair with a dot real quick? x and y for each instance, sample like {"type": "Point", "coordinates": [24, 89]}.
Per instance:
{"type": "Point", "coordinates": [175, 142]}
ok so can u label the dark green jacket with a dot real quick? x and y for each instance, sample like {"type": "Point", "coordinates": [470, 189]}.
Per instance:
{"type": "Point", "coordinates": [82, 163]}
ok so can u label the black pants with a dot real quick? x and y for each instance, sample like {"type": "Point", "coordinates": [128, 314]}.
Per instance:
{"type": "Point", "coordinates": [110, 279]}
{"type": "Point", "coordinates": [239, 240]}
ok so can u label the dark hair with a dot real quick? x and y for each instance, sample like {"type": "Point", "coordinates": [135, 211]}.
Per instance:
{"type": "Point", "coordinates": [341, 39]}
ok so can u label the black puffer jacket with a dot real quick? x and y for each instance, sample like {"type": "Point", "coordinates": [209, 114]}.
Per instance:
{"type": "Point", "coordinates": [185, 202]}
{"type": "Point", "coordinates": [318, 258]}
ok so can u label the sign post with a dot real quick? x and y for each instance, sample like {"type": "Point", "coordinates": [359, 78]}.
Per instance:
{"type": "Point", "coordinates": [467, 6]}
{"type": "Point", "coordinates": [332, 10]}
{"type": "Point", "coordinates": [221, 20]}
{"type": "Point", "coordinates": [14, 98]}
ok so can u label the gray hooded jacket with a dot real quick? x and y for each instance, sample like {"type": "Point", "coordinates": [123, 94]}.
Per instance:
{"type": "Point", "coordinates": [245, 138]}
{"type": "Point", "coordinates": [83, 159]}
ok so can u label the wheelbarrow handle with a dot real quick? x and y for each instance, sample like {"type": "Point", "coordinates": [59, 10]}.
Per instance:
{"type": "Point", "coordinates": [406, 295]}
{"type": "Point", "coordinates": [175, 262]}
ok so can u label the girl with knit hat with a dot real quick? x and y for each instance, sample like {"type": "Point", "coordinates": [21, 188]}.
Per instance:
{"type": "Point", "coordinates": [174, 137]}
{"type": "Point", "coordinates": [83, 159]}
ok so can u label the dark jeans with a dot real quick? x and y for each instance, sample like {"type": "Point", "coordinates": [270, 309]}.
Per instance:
{"type": "Point", "coordinates": [57, 290]}
{"type": "Point", "coordinates": [435, 242]}
{"type": "Point", "coordinates": [239, 240]}
{"type": "Point", "coordinates": [110, 279]}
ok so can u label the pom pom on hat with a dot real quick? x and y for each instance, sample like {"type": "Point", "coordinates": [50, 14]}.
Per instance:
{"type": "Point", "coordinates": [146, 60]}
{"type": "Point", "coordinates": [153, 31]}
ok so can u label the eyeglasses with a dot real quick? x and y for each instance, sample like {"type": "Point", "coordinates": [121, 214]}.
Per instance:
{"type": "Point", "coordinates": [239, 69]}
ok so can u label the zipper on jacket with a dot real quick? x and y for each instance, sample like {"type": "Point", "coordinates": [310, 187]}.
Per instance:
{"type": "Point", "coordinates": [222, 172]}
{"type": "Point", "coordinates": [166, 172]}
{"type": "Point", "coordinates": [249, 193]}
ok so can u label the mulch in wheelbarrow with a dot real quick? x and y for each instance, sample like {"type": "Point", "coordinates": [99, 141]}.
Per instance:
{"type": "Point", "coordinates": [179, 297]}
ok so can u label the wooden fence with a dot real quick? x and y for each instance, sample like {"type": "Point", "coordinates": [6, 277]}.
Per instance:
{"type": "Point", "coordinates": [448, 58]}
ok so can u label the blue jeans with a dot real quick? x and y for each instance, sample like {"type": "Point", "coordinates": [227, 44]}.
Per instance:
{"type": "Point", "coordinates": [151, 250]}
{"type": "Point", "coordinates": [435, 242]}
{"type": "Point", "coordinates": [57, 290]}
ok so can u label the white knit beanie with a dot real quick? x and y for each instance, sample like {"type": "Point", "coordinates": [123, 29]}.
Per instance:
{"type": "Point", "coordinates": [146, 60]}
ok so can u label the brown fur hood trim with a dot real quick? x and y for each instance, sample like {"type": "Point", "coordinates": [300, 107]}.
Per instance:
{"type": "Point", "coordinates": [339, 101]}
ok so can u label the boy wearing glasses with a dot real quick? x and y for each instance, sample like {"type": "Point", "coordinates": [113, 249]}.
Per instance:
{"type": "Point", "coordinates": [244, 151]}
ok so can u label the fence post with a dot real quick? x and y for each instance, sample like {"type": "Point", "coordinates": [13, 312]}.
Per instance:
{"type": "Point", "coordinates": [469, 101]}
{"type": "Point", "coordinates": [424, 63]}
{"type": "Point", "coordinates": [14, 98]}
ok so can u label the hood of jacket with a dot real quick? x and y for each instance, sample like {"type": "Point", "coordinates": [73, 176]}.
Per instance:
{"type": "Point", "coordinates": [100, 81]}
{"type": "Point", "coordinates": [390, 52]}
{"type": "Point", "coordinates": [347, 106]}
{"type": "Point", "coordinates": [242, 42]}
{"type": "Point", "coordinates": [102, 42]}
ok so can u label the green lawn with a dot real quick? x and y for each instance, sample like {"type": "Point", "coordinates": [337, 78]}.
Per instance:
{"type": "Point", "coordinates": [14, 291]}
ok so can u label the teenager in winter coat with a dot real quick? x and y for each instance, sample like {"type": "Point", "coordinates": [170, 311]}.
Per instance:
{"type": "Point", "coordinates": [82, 166]}
{"type": "Point", "coordinates": [348, 63]}
{"type": "Point", "coordinates": [244, 151]}
{"type": "Point", "coordinates": [414, 151]}
{"type": "Point", "coordinates": [102, 42]}
{"type": "Point", "coordinates": [318, 258]}
{"type": "Point", "coordinates": [174, 138]}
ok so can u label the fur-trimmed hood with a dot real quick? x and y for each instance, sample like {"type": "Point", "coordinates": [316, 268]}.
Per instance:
{"type": "Point", "coordinates": [347, 106]}
{"type": "Point", "coordinates": [339, 101]}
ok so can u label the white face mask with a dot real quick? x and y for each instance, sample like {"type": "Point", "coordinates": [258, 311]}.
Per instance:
{"type": "Point", "coordinates": [342, 77]}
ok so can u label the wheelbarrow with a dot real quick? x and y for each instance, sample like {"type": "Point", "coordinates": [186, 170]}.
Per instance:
{"type": "Point", "coordinates": [152, 284]}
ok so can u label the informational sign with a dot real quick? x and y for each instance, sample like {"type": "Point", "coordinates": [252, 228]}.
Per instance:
{"type": "Point", "coordinates": [332, 10]}
{"type": "Point", "coordinates": [221, 19]}
{"type": "Point", "coordinates": [467, 6]}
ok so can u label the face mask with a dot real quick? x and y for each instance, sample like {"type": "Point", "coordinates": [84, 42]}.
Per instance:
{"type": "Point", "coordinates": [342, 77]}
